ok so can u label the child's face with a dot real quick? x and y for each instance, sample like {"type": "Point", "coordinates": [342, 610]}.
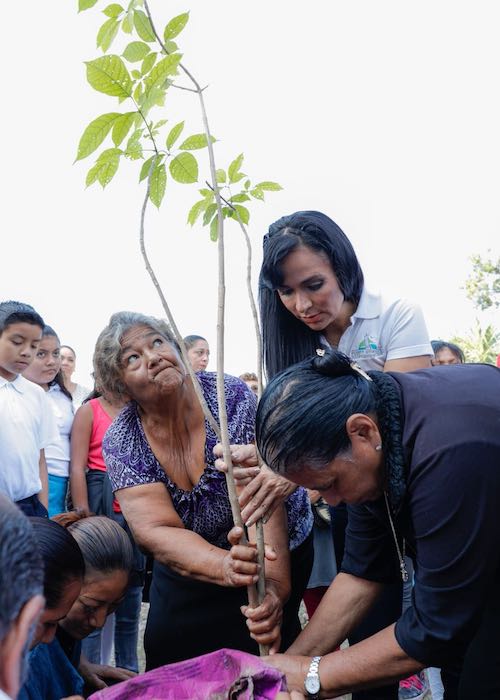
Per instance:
{"type": "Point", "coordinates": [47, 362]}
{"type": "Point", "coordinates": [18, 345]}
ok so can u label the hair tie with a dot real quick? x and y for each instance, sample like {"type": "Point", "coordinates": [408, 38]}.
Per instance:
{"type": "Point", "coordinates": [357, 368]}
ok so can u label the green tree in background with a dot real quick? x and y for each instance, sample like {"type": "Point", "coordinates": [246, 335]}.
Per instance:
{"type": "Point", "coordinates": [480, 344]}
{"type": "Point", "coordinates": [483, 284]}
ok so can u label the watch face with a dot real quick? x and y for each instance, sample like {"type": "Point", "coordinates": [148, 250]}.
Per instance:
{"type": "Point", "coordinates": [312, 685]}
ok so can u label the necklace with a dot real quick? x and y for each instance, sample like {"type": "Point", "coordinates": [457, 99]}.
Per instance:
{"type": "Point", "coordinates": [402, 567]}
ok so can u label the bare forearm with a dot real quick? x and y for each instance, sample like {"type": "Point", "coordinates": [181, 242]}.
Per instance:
{"type": "Point", "coordinates": [375, 661]}
{"type": "Point", "coordinates": [185, 552]}
{"type": "Point", "coordinates": [341, 609]}
{"type": "Point", "coordinates": [276, 535]}
{"type": "Point", "coordinates": [43, 495]}
{"type": "Point", "coordinates": [78, 487]}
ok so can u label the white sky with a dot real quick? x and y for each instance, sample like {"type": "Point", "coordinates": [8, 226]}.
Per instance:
{"type": "Point", "coordinates": [384, 115]}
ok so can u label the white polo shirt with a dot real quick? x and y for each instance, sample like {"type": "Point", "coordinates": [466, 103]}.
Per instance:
{"type": "Point", "coordinates": [27, 425]}
{"type": "Point", "coordinates": [381, 330]}
{"type": "Point", "coordinates": [57, 453]}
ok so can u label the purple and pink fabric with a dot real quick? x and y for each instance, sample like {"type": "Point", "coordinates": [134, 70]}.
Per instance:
{"type": "Point", "coordinates": [225, 673]}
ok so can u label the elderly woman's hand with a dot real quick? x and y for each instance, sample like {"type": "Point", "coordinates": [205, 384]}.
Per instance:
{"type": "Point", "coordinates": [264, 621]}
{"type": "Point", "coordinates": [240, 567]}
{"type": "Point", "coordinates": [263, 490]}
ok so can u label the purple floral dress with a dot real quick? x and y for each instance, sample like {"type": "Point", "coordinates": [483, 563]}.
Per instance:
{"type": "Point", "coordinates": [205, 509]}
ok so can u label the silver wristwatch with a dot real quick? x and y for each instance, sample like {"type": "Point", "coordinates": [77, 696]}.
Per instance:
{"type": "Point", "coordinates": [311, 684]}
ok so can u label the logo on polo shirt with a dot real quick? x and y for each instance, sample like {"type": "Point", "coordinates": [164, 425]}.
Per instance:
{"type": "Point", "coordinates": [367, 347]}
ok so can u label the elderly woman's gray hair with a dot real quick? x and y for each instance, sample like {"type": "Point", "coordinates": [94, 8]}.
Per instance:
{"type": "Point", "coordinates": [108, 349]}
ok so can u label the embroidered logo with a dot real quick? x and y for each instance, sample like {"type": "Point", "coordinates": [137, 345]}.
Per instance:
{"type": "Point", "coordinates": [367, 347]}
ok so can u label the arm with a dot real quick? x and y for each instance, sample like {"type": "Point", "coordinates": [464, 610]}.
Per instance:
{"type": "Point", "coordinates": [264, 621]}
{"type": "Point", "coordinates": [157, 528]}
{"type": "Point", "coordinates": [342, 608]}
{"type": "Point", "coordinates": [80, 438]}
{"type": "Point", "coordinates": [408, 364]}
{"type": "Point", "coordinates": [375, 661]}
{"type": "Point", "coordinates": [261, 491]}
{"type": "Point", "coordinates": [43, 495]}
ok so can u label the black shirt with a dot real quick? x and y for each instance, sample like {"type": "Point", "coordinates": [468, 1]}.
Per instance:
{"type": "Point", "coordinates": [450, 514]}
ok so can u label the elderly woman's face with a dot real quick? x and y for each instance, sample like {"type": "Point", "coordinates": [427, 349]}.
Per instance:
{"type": "Point", "coordinates": [149, 363]}
{"type": "Point", "coordinates": [350, 478]}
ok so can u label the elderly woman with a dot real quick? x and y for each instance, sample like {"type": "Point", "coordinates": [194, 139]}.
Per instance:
{"type": "Point", "coordinates": [416, 456]}
{"type": "Point", "coordinates": [159, 455]}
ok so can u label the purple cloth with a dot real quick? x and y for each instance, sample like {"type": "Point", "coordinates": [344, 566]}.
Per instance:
{"type": "Point", "coordinates": [205, 509]}
{"type": "Point", "coordinates": [214, 675]}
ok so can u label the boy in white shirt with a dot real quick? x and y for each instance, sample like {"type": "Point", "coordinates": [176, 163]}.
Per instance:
{"type": "Point", "coordinates": [26, 421]}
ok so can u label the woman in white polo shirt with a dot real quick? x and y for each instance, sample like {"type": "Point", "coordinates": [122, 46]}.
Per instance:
{"type": "Point", "coordinates": [45, 370]}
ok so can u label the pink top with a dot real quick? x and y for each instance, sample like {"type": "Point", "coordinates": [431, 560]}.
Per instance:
{"type": "Point", "coordinates": [100, 423]}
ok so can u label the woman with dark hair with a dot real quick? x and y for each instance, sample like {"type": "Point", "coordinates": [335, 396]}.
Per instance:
{"type": "Point", "coordinates": [447, 353]}
{"type": "Point", "coordinates": [64, 570]}
{"type": "Point", "coordinates": [45, 370]}
{"type": "Point", "coordinates": [61, 669]}
{"type": "Point", "coordinates": [159, 455]}
{"type": "Point", "coordinates": [68, 366]}
{"type": "Point", "coordinates": [198, 352]}
{"type": "Point", "coordinates": [415, 455]}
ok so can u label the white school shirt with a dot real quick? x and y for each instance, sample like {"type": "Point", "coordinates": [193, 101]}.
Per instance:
{"type": "Point", "coordinates": [57, 453]}
{"type": "Point", "coordinates": [27, 426]}
{"type": "Point", "coordinates": [384, 330]}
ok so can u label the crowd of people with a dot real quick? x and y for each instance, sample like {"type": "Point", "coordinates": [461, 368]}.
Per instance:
{"type": "Point", "coordinates": [370, 460]}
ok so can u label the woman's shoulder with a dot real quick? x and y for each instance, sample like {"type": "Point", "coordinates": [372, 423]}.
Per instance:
{"type": "Point", "coordinates": [235, 389]}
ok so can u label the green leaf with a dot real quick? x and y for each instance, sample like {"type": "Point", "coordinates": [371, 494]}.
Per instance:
{"type": "Point", "coordinates": [206, 193]}
{"type": "Point", "coordinates": [109, 75]}
{"type": "Point", "coordinates": [171, 46]}
{"type": "Point", "coordinates": [196, 210]}
{"type": "Point", "coordinates": [257, 193]}
{"type": "Point", "coordinates": [107, 165]}
{"type": "Point", "coordinates": [158, 183]}
{"type": "Point", "coordinates": [167, 66]}
{"type": "Point", "coordinates": [152, 98]}
{"type": "Point", "coordinates": [136, 74]}
{"type": "Point", "coordinates": [234, 169]}
{"type": "Point", "coordinates": [148, 63]}
{"type": "Point", "coordinates": [107, 33]}
{"type": "Point", "coordinates": [92, 175]}
{"type": "Point", "coordinates": [174, 134]}
{"type": "Point", "coordinates": [85, 4]}
{"type": "Point", "coordinates": [247, 184]}
{"type": "Point", "coordinates": [175, 26]}
{"type": "Point", "coordinates": [122, 126]}
{"type": "Point", "coordinates": [243, 212]}
{"type": "Point", "coordinates": [220, 176]}
{"type": "Point", "coordinates": [209, 212]}
{"type": "Point", "coordinates": [159, 124]}
{"type": "Point", "coordinates": [138, 92]}
{"type": "Point", "coordinates": [145, 168]}
{"type": "Point", "coordinates": [127, 24]}
{"type": "Point", "coordinates": [214, 228]}
{"type": "Point", "coordinates": [269, 186]}
{"type": "Point", "coordinates": [194, 142]}
{"type": "Point", "coordinates": [113, 10]}
{"type": "Point", "coordinates": [95, 133]}
{"type": "Point", "coordinates": [136, 51]}
{"type": "Point", "coordinates": [241, 197]}
{"type": "Point", "coordinates": [143, 26]}
{"type": "Point", "coordinates": [184, 168]}
{"type": "Point", "coordinates": [134, 148]}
